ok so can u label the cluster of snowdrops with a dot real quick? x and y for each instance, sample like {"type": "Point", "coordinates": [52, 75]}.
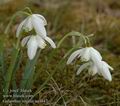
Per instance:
{"type": "Point", "coordinates": [34, 26]}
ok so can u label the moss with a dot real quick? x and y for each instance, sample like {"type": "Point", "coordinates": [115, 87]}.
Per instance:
{"type": "Point", "coordinates": [101, 18]}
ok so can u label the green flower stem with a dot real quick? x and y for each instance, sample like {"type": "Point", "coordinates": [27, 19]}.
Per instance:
{"type": "Point", "coordinates": [73, 33]}
{"type": "Point", "coordinates": [73, 41]}
{"type": "Point", "coordinates": [88, 41]}
{"type": "Point", "coordinates": [29, 10]}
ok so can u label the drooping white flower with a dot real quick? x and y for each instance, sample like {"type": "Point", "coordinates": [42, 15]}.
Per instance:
{"type": "Point", "coordinates": [33, 42]}
{"type": "Point", "coordinates": [94, 63]}
{"type": "Point", "coordinates": [34, 21]}
{"type": "Point", "coordinates": [102, 69]}
{"type": "Point", "coordinates": [86, 54]}
{"type": "Point", "coordinates": [37, 23]}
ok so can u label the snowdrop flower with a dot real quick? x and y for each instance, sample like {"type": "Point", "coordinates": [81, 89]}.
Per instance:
{"type": "Point", "coordinates": [86, 54]}
{"type": "Point", "coordinates": [34, 21]}
{"type": "Point", "coordinates": [102, 69]}
{"type": "Point", "coordinates": [37, 23]}
{"type": "Point", "coordinates": [33, 42]}
{"type": "Point", "coordinates": [93, 60]}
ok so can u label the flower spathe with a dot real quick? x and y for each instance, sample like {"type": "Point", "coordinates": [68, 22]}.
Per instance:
{"type": "Point", "coordinates": [93, 62]}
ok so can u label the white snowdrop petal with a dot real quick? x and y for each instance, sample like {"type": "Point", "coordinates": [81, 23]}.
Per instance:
{"type": "Point", "coordinates": [32, 47]}
{"type": "Point", "coordinates": [20, 27]}
{"type": "Point", "coordinates": [81, 52]}
{"type": "Point", "coordinates": [86, 54]}
{"type": "Point", "coordinates": [95, 54]}
{"type": "Point", "coordinates": [25, 40]}
{"type": "Point", "coordinates": [73, 56]}
{"type": "Point", "coordinates": [93, 69]}
{"type": "Point", "coordinates": [105, 71]}
{"type": "Point", "coordinates": [107, 65]}
{"type": "Point", "coordinates": [82, 67]}
{"type": "Point", "coordinates": [41, 43]}
{"type": "Point", "coordinates": [50, 42]}
{"type": "Point", "coordinates": [28, 24]}
{"type": "Point", "coordinates": [95, 59]}
{"type": "Point", "coordinates": [39, 26]}
{"type": "Point", "coordinates": [41, 17]}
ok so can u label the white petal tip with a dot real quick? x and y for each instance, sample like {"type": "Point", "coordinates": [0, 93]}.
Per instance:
{"type": "Point", "coordinates": [50, 42]}
{"type": "Point", "coordinates": [54, 46]}
{"type": "Point", "coordinates": [68, 62]}
{"type": "Point", "coordinates": [111, 68]}
{"type": "Point", "coordinates": [77, 73]}
{"type": "Point", "coordinates": [31, 58]}
{"type": "Point", "coordinates": [110, 79]}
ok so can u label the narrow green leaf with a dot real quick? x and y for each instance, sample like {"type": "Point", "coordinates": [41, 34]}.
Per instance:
{"type": "Point", "coordinates": [9, 73]}
{"type": "Point", "coordinates": [2, 59]}
{"type": "Point", "coordinates": [29, 70]}
{"type": "Point", "coordinates": [18, 61]}
{"type": "Point", "coordinates": [30, 81]}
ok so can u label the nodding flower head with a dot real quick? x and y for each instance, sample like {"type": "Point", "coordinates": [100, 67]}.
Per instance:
{"type": "Point", "coordinates": [35, 41]}
{"type": "Point", "coordinates": [86, 54]}
{"type": "Point", "coordinates": [93, 62]}
{"type": "Point", "coordinates": [36, 22]}
{"type": "Point", "coordinates": [102, 68]}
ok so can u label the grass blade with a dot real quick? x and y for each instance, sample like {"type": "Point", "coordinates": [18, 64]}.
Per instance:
{"type": "Point", "coordinates": [9, 74]}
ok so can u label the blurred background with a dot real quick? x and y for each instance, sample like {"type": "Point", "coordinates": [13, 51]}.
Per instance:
{"type": "Point", "coordinates": [100, 17]}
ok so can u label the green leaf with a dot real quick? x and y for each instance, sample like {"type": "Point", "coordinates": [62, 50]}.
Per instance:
{"type": "Point", "coordinates": [2, 59]}
{"type": "Point", "coordinates": [10, 70]}
{"type": "Point", "coordinates": [29, 71]}
{"type": "Point", "coordinates": [18, 61]}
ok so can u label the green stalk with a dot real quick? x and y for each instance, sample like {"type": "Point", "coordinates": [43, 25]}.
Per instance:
{"type": "Point", "coordinates": [28, 71]}
{"type": "Point", "coordinates": [73, 33]}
